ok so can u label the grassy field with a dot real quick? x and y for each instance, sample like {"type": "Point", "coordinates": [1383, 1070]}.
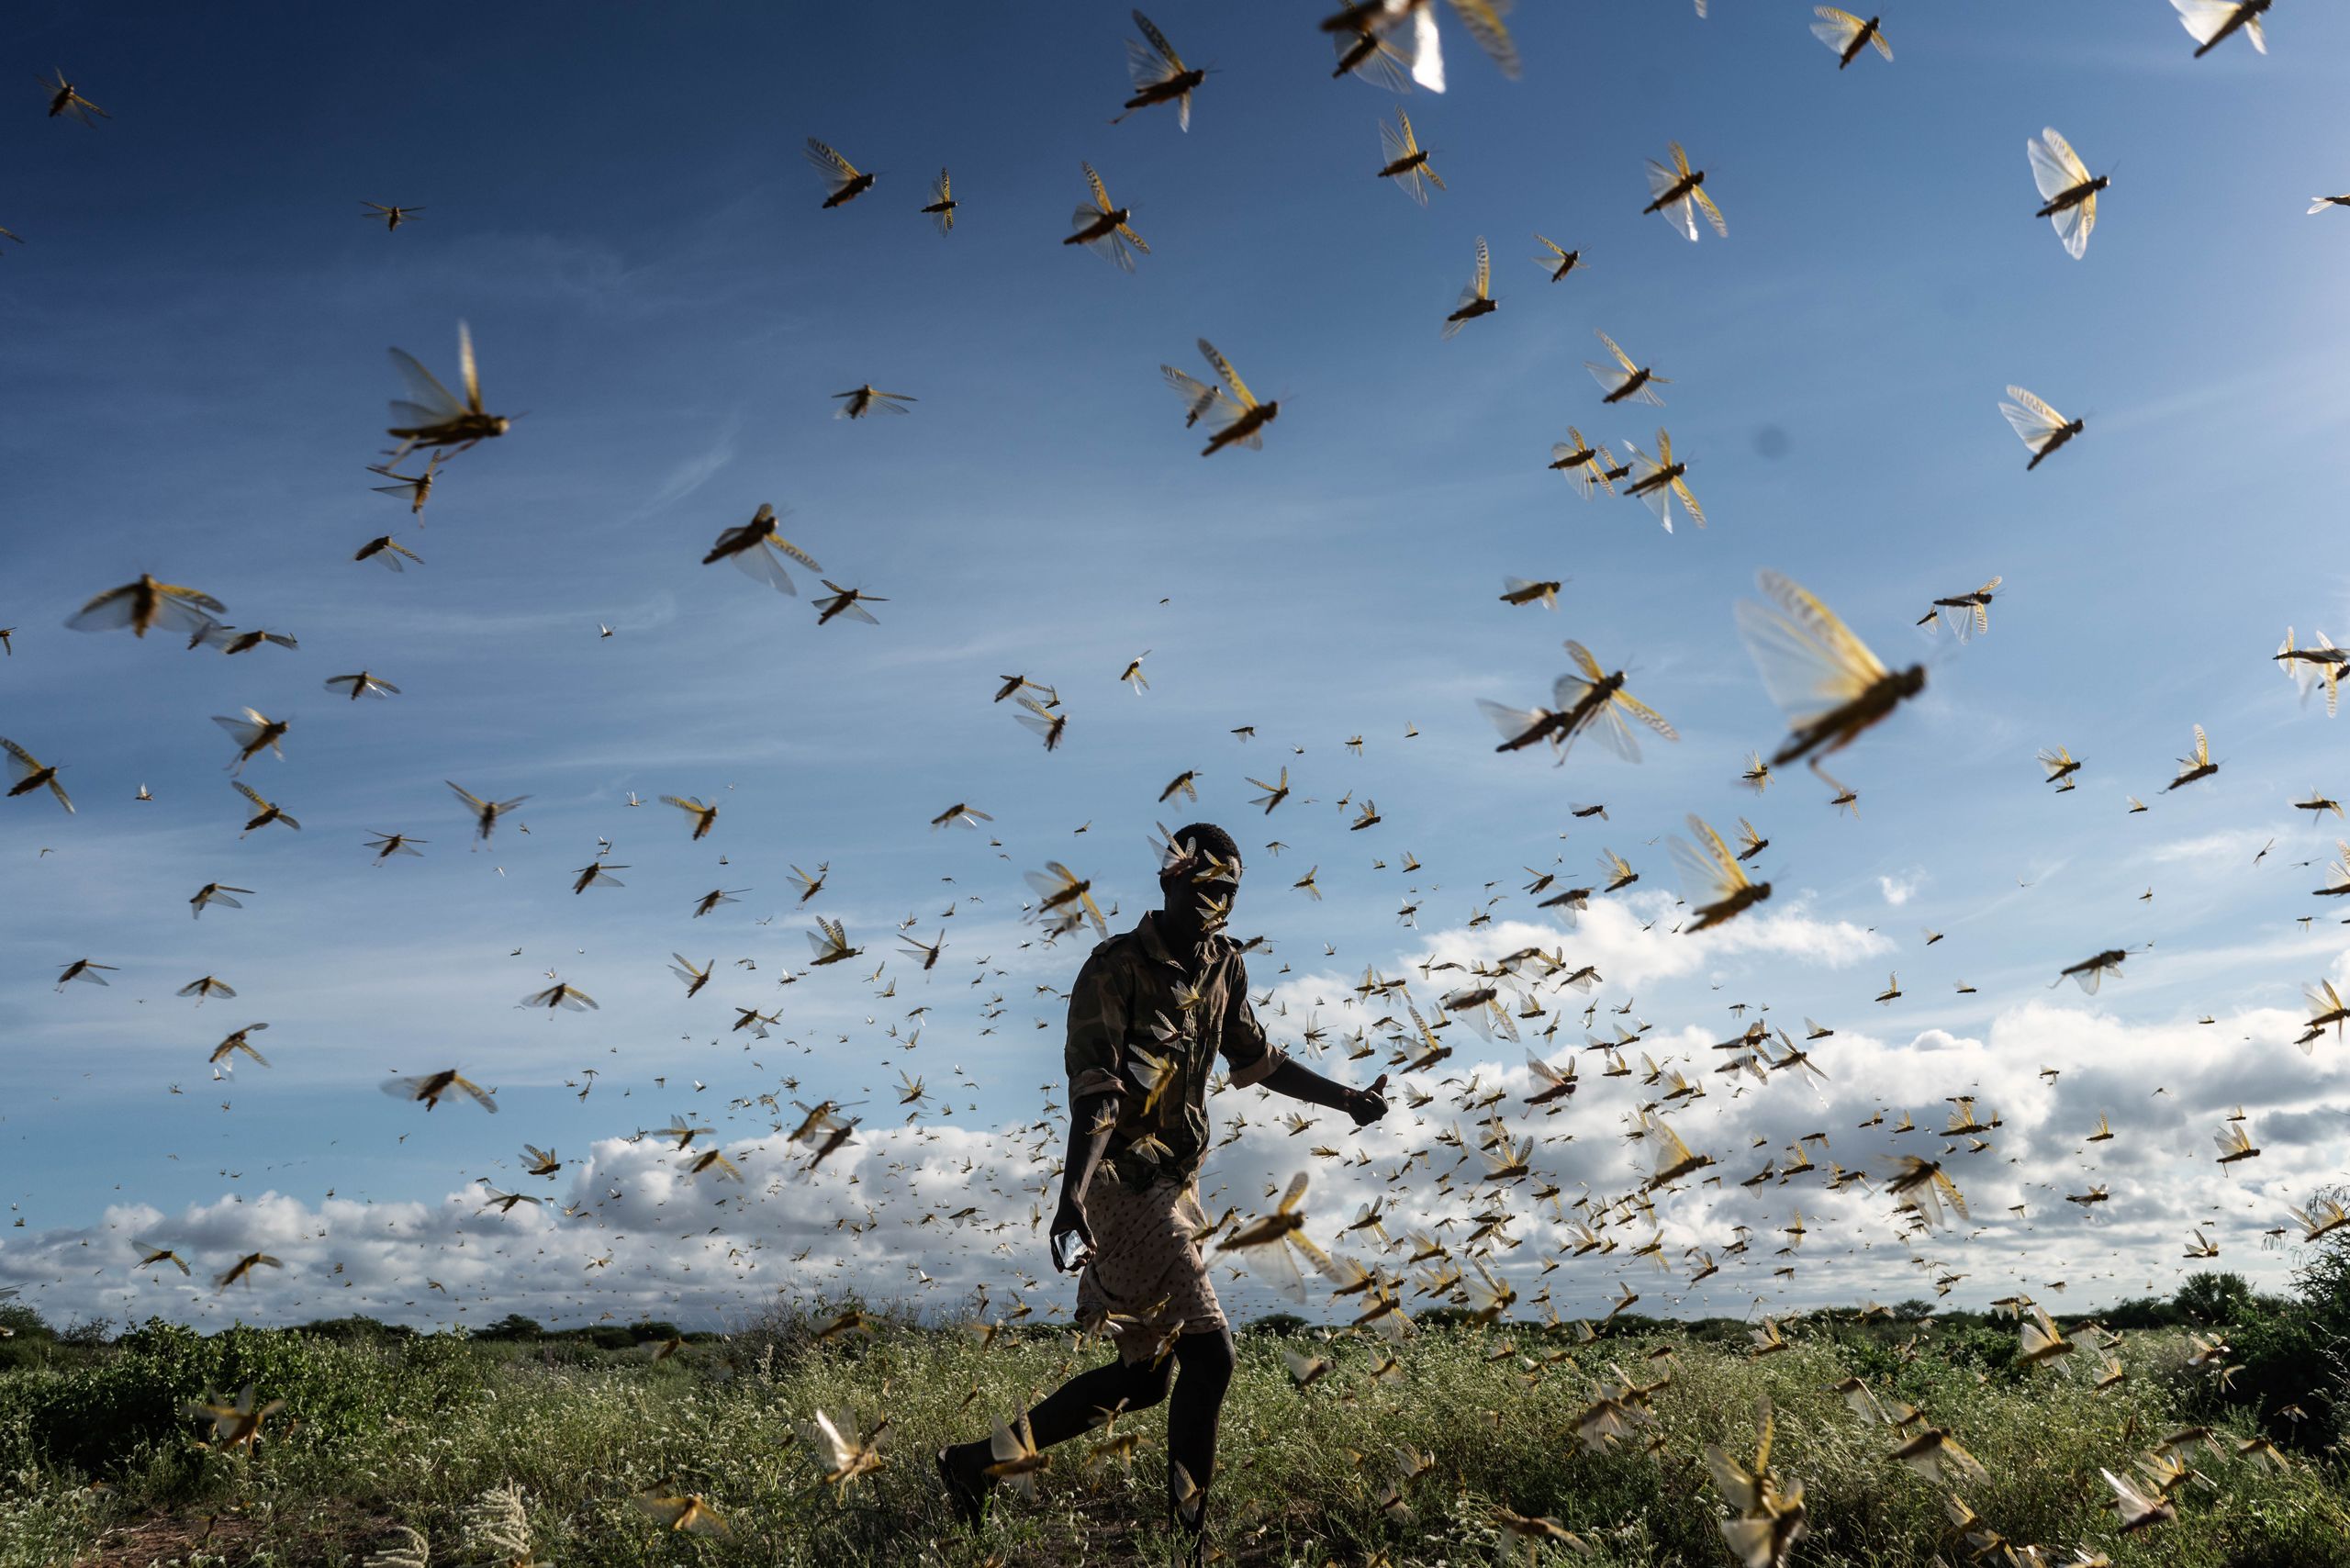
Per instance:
{"type": "Point", "coordinates": [97, 1465]}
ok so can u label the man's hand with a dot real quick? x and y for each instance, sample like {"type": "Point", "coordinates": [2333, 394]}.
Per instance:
{"type": "Point", "coordinates": [1369, 1104]}
{"type": "Point", "coordinates": [1069, 1220]}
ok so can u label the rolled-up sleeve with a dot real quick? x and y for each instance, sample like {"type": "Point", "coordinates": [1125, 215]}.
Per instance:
{"type": "Point", "coordinates": [1097, 1028]}
{"type": "Point", "coordinates": [1251, 1057]}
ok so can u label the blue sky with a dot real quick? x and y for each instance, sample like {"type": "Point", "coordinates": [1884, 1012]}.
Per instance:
{"type": "Point", "coordinates": [194, 333]}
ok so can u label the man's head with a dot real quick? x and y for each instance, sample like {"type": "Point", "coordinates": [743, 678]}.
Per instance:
{"type": "Point", "coordinates": [1199, 879]}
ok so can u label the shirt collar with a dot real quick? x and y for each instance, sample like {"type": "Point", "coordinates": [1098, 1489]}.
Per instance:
{"type": "Point", "coordinates": [1155, 944]}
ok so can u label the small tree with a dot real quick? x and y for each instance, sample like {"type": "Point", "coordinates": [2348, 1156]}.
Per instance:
{"type": "Point", "coordinates": [2323, 1279]}
{"type": "Point", "coordinates": [2291, 1356]}
{"type": "Point", "coordinates": [513, 1325]}
{"type": "Point", "coordinates": [18, 1321]}
{"type": "Point", "coordinates": [88, 1333]}
{"type": "Point", "coordinates": [2323, 1276]}
{"type": "Point", "coordinates": [2213, 1297]}
{"type": "Point", "coordinates": [357, 1329]}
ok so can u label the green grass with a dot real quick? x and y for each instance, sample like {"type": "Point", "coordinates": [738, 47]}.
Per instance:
{"type": "Point", "coordinates": [410, 1432]}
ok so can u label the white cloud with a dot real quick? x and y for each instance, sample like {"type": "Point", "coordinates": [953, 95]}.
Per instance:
{"type": "Point", "coordinates": [1633, 941]}
{"type": "Point", "coordinates": [2230, 848]}
{"type": "Point", "coordinates": [644, 1239]}
{"type": "Point", "coordinates": [695, 470]}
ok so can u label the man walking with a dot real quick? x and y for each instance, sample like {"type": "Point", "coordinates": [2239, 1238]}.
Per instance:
{"type": "Point", "coordinates": [1150, 1012]}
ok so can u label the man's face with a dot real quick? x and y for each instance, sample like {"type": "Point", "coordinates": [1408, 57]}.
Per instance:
{"type": "Point", "coordinates": [1203, 885]}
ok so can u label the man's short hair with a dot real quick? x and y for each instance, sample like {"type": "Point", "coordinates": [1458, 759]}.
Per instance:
{"type": "Point", "coordinates": [1210, 838]}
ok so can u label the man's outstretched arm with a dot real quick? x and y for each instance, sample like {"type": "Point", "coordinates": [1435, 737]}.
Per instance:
{"type": "Point", "coordinates": [1301, 1082]}
{"type": "Point", "coordinates": [1248, 1050]}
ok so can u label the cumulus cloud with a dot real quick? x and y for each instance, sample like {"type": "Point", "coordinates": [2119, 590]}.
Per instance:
{"type": "Point", "coordinates": [624, 1234]}
{"type": "Point", "coordinates": [1636, 941]}
{"type": "Point", "coordinates": [929, 1211]}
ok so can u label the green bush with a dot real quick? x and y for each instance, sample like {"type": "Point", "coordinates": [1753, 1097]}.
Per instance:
{"type": "Point", "coordinates": [2284, 1368]}
{"type": "Point", "coordinates": [413, 1431]}
{"type": "Point", "coordinates": [2281, 1362]}
{"type": "Point", "coordinates": [103, 1418]}
{"type": "Point", "coordinates": [1982, 1347]}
